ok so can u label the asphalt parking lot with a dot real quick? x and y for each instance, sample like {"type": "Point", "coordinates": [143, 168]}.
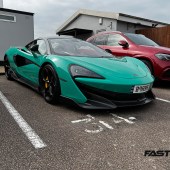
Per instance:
{"type": "Point", "coordinates": [36, 135]}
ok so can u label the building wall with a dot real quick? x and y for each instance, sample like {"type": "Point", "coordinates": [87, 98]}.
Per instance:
{"type": "Point", "coordinates": [129, 27]}
{"type": "Point", "coordinates": [1, 3]}
{"type": "Point", "coordinates": [17, 33]}
{"type": "Point", "coordinates": [92, 23]}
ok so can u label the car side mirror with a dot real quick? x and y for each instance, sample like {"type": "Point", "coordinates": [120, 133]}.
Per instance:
{"type": "Point", "coordinates": [124, 43]}
{"type": "Point", "coordinates": [34, 48]}
{"type": "Point", "coordinates": [108, 51]}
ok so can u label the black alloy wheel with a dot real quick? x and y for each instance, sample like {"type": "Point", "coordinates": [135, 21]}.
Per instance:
{"type": "Point", "coordinates": [49, 84]}
{"type": "Point", "coordinates": [7, 69]}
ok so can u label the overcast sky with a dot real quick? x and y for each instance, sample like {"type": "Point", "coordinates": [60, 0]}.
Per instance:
{"type": "Point", "coordinates": [50, 14]}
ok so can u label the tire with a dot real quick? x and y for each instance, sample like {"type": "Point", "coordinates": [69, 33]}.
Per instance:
{"type": "Point", "coordinates": [49, 84]}
{"type": "Point", "coordinates": [149, 65]}
{"type": "Point", "coordinates": [7, 69]}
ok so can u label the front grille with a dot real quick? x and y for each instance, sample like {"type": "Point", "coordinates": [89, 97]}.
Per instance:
{"type": "Point", "coordinates": [112, 96]}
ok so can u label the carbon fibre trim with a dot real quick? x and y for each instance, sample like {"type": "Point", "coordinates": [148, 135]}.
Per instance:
{"type": "Point", "coordinates": [102, 99]}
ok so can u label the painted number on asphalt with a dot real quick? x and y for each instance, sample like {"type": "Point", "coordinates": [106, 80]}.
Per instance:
{"type": "Point", "coordinates": [99, 126]}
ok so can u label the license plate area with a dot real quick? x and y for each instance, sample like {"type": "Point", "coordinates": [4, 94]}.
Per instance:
{"type": "Point", "coordinates": [141, 88]}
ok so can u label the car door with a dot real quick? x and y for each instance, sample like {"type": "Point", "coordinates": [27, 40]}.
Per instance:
{"type": "Point", "coordinates": [29, 62]}
{"type": "Point", "coordinates": [112, 44]}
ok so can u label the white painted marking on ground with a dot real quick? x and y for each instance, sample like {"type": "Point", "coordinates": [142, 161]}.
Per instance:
{"type": "Point", "coordinates": [81, 120]}
{"type": "Point", "coordinates": [98, 125]}
{"type": "Point", "coordinates": [94, 131]}
{"type": "Point", "coordinates": [132, 118]}
{"type": "Point", "coordinates": [28, 131]}
{"type": "Point", "coordinates": [117, 121]}
{"type": "Point", "coordinates": [163, 100]}
{"type": "Point", "coordinates": [106, 124]}
{"type": "Point", "coordinates": [89, 116]}
{"type": "Point", "coordinates": [87, 120]}
{"type": "Point", "coordinates": [126, 120]}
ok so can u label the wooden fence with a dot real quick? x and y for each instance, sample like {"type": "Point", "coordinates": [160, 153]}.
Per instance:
{"type": "Point", "coordinates": [160, 35]}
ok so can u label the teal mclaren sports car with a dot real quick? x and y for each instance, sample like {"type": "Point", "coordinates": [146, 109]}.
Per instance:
{"type": "Point", "coordinates": [65, 67]}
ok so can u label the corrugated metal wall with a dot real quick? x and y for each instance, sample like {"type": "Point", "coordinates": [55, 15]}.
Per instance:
{"type": "Point", "coordinates": [160, 35]}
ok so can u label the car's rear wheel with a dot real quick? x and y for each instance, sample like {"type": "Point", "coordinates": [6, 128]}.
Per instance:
{"type": "Point", "coordinates": [7, 69]}
{"type": "Point", "coordinates": [148, 64]}
{"type": "Point", "coordinates": [49, 84]}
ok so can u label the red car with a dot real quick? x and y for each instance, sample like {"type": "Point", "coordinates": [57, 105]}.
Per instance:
{"type": "Point", "coordinates": [157, 58]}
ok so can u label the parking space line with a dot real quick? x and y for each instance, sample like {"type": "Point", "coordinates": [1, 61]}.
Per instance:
{"type": "Point", "coordinates": [163, 100]}
{"type": "Point", "coordinates": [28, 131]}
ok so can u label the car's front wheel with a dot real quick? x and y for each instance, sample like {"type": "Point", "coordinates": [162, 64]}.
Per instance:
{"type": "Point", "coordinates": [49, 84]}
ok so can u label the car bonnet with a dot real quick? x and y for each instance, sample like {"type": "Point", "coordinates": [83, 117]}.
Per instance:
{"type": "Point", "coordinates": [122, 67]}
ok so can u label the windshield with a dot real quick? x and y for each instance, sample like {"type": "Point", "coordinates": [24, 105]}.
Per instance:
{"type": "Point", "coordinates": [75, 47]}
{"type": "Point", "coordinates": [141, 39]}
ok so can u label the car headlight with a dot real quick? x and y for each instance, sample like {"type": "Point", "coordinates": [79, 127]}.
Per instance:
{"type": "Point", "coordinates": [165, 57]}
{"type": "Point", "coordinates": [79, 71]}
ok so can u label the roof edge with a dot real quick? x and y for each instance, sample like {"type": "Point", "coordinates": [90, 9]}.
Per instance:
{"type": "Point", "coordinates": [112, 15]}
{"type": "Point", "coordinates": [68, 21]}
{"type": "Point", "coordinates": [144, 19]}
{"type": "Point", "coordinates": [16, 11]}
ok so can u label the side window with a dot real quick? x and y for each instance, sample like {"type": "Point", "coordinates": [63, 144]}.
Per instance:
{"type": "Point", "coordinates": [101, 40]}
{"type": "Point", "coordinates": [113, 39]}
{"type": "Point", "coordinates": [42, 49]}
